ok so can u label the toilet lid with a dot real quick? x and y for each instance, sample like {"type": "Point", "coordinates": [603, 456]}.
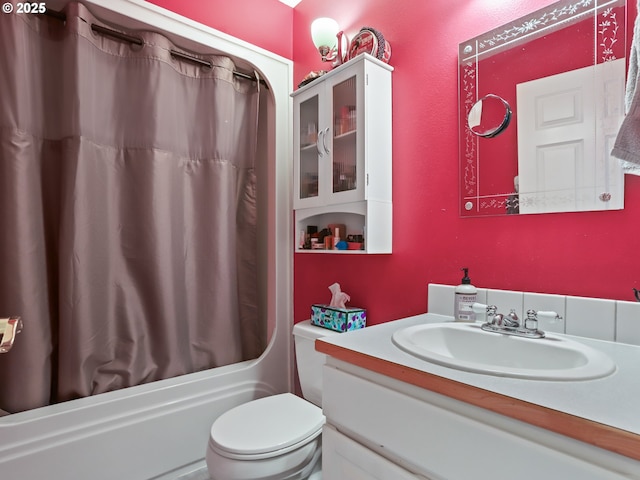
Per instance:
{"type": "Point", "coordinates": [266, 425]}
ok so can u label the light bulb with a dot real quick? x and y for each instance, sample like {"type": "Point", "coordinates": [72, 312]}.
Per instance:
{"type": "Point", "coordinates": [323, 34]}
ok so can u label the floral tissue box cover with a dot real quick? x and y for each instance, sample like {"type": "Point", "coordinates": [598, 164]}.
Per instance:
{"type": "Point", "coordinates": [338, 319]}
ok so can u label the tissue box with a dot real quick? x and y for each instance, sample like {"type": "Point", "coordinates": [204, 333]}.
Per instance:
{"type": "Point", "coordinates": [338, 319]}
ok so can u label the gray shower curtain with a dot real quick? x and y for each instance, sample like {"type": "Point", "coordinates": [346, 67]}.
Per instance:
{"type": "Point", "coordinates": [127, 211]}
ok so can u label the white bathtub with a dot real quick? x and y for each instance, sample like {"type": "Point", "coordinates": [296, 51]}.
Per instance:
{"type": "Point", "coordinates": [138, 433]}
{"type": "Point", "coordinates": [147, 431]}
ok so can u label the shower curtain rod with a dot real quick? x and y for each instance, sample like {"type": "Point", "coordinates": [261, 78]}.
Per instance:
{"type": "Point", "coordinates": [138, 41]}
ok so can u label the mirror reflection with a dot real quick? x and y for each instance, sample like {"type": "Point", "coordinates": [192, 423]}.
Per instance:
{"type": "Point", "coordinates": [557, 77]}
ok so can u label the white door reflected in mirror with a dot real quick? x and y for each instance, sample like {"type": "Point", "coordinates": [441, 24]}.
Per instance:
{"type": "Point", "coordinates": [571, 120]}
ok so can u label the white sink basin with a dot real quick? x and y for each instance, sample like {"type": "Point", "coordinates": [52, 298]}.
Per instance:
{"type": "Point", "coordinates": [467, 347]}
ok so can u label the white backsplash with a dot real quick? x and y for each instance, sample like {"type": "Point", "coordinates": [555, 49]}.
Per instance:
{"type": "Point", "coordinates": [611, 320]}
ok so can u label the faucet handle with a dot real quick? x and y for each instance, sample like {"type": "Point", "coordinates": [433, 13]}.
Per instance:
{"type": "Point", "coordinates": [553, 317]}
{"type": "Point", "coordinates": [485, 310]}
{"type": "Point", "coordinates": [482, 308]}
{"type": "Point", "coordinates": [478, 307]}
{"type": "Point", "coordinates": [531, 322]}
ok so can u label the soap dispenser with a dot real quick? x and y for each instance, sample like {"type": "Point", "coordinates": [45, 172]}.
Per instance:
{"type": "Point", "coordinates": [465, 297]}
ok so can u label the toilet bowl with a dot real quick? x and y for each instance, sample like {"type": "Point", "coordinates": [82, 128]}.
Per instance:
{"type": "Point", "coordinates": [276, 437]}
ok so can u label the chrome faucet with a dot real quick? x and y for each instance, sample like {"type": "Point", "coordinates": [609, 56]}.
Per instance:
{"type": "Point", "coordinates": [510, 324]}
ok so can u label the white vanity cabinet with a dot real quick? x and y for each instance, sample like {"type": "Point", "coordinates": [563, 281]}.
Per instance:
{"type": "Point", "coordinates": [345, 458]}
{"type": "Point", "coordinates": [428, 435]}
{"type": "Point", "coordinates": [342, 153]}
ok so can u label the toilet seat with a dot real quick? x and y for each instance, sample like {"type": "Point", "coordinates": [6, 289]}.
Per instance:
{"type": "Point", "coordinates": [266, 427]}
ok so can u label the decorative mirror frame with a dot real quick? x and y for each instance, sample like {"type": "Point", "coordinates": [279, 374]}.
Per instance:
{"type": "Point", "coordinates": [609, 44]}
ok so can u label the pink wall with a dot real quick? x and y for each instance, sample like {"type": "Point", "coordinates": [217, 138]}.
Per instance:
{"type": "Point", "coordinates": [587, 254]}
{"type": "Point", "coordinates": [265, 23]}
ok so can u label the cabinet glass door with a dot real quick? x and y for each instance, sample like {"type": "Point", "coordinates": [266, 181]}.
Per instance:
{"type": "Point", "coordinates": [309, 148]}
{"type": "Point", "coordinates": [344, 171]}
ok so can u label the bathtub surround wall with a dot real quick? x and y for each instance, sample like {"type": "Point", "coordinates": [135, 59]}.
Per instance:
{"type": "Point", "coordinates": [602, 319]}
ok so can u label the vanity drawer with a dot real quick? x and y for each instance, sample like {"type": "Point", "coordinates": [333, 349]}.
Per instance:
{"type": "Point", "coordinates": [345, 459]}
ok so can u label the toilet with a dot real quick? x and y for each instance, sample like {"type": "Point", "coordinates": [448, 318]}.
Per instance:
{"type": "Point", "coordinates": [276, 437]}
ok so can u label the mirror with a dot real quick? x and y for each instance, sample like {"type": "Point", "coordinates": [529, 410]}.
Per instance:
{"type": "Point", "coordinates": [541, 100]}
{"type": "Point", "coordinates": [489, 116]}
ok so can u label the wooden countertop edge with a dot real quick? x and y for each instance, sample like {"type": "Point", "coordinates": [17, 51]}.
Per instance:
{"type": "Point", "coordinates": [594, 433]}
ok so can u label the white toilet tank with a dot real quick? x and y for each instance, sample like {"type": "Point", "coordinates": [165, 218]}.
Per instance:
{"type": "Point", "coordinates": [308, 360]}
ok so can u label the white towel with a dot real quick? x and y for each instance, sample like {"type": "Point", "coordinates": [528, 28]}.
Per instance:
{"type": "Point", "coordinates": [634, 64]}
{"type": "Point", "coordinates": [627, 145]}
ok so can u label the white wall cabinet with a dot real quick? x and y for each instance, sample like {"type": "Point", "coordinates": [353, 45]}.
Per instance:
{"type": "Point", "coordinates": [342, 154]}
